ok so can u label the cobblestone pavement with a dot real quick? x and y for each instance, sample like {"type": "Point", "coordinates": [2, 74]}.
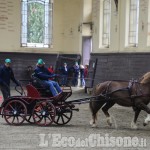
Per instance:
{"type": "Point", "coordinates": [78, 134]}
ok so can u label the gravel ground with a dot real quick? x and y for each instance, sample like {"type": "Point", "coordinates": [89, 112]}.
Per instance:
{"type": "Point", "coordinates": [78, 134]}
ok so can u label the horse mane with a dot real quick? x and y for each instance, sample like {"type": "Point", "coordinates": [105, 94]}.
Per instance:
{"type": "Point", "coordinates": [145, 78]}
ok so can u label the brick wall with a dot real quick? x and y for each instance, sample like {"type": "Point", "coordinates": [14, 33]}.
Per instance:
{"type": "Point", "coordinates": [121, 66]}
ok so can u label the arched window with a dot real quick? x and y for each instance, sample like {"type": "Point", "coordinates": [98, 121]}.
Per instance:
{"type": "Point", "coordinates": [133, 22]}
{"type": "Point", "coordinates": [36, 23]}
{"type": "Point", "coordinates": [106, 23]}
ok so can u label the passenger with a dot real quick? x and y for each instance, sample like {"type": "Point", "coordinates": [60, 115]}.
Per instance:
{"type": "Point", "coordinates": [6, 74]}
{"type": "Point", "coordinates": [43, 74]}
{"type": "Point", "coordinates": [51, 69]}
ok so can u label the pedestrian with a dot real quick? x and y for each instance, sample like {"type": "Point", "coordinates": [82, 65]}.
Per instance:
{"type": "Point", "coordinates": [64, 74]}
{"type": "Point", "coordinates": [82, 81]}
{"type": "Point", "coordinates": [6, 74]}
{"type": "Point", "coordinates": [29, 72]}
{"type": "Point", "coordinates": [43, 74]}
{"type": "Point", "coordinates": [86, 71]}
{"type": "Point", "coordinates": [76, 70]}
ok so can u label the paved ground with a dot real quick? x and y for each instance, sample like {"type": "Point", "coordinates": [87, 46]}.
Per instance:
{"type": "Point", "coordinates": [78, 134]}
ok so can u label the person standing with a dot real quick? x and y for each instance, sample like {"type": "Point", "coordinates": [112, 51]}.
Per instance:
{"type": "Point", "coordinates": [86, 71]}
{"type": "Point", "coordinates": [64, 74]}
{"type": "Point", "coordinates": [76, 70]}
{"type": "Point", "coordinates": [82, 81]}
{"type": "Point", "coordinates": [43, 74]}
{"type": "Point", "coordinates": [6, 74]}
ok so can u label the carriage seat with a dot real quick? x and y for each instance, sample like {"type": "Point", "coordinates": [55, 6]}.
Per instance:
{"type": "Point", "coordinates": [43, 89]}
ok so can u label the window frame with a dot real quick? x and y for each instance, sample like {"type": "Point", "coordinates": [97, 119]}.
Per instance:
{"type": "Point", "coordinates": [106, 16]}
{"type": "Point", "coordinates": [133, 29]}
{"type": "Point", "coordinates": [48, 25]}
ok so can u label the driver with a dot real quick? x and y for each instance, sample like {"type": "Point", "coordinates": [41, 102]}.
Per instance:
{"type": "Point", "coordinates": [43, 74]}
{"type": "Point", "coordinates": [6, 74]}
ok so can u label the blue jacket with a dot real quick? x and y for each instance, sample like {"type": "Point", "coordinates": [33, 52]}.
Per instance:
{"type": "Point", "coordinates": [42, 73]}
{"type": "Point", "coordinates": [6, 74]}
{"type": "Point", "coordinates": [76, 70]}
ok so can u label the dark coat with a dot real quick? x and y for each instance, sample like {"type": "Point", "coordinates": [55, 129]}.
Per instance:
{"type": "Point", "coordinates": [76, 70]}
{"type": "Point", "coordinates": [42, 73]}
{"type": "Point", "coordinates": [64, 71]}
{"type": "Point", "coordinates": [6, 74]}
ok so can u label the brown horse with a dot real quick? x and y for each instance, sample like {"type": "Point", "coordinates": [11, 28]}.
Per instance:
{"type": "Point", "coordinates": [135, 94]}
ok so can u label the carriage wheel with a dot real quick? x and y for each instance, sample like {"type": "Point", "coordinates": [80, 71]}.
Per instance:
{"type": "Point", "coordinates": [63, 116]}
{"type": "Point", "coordinates": [44, 113]}
{"type": "Point", "coordinates": [30, 119]}
{"type": "Point", "coordinates": [15, 112]}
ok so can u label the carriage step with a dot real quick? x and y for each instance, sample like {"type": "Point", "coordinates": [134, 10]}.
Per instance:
{"type": "Point", "coordinates": [75, 109]}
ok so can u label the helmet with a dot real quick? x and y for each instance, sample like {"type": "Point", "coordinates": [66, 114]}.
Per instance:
{"type": "Point", "coordinates": [7, 60]}
{"type": "Point", "coordinates": [40, 62]}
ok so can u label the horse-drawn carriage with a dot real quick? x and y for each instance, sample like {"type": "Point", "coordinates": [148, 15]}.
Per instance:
{"type": "Point", "coordinates": [36, 105]}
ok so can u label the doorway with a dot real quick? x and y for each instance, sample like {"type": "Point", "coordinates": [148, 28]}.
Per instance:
{"type": "Point", "coordinates": [86, 49]}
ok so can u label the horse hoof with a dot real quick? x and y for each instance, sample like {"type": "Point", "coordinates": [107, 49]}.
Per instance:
{"type": "Point", "coordinates": [144, 124]}
{"type": "Point", "coordinates": [109, 121]}
{"type": "Point", "coordinates": [110, 124]}
{"type": "Point", "coordinates": [91, 122]}
{"type": "Point", "coordinates": [133, 126]}
{"type": "Point", "coordinates": [94, 125]}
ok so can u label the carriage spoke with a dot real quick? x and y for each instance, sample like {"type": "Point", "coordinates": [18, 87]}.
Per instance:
{"type": "Point", "coordinates": [39, 116]}
{"type": "Point", "coordinates": [65, 116]}
{"type": "Point", "coordinates": [41, 106]}
{"type": "Point", "coordinates": [49, 118]}
{"type": "Point", "coordinates": [17, 119]}
{"type": "Point", "coordinates": [29, 118]}
{"type": "Point", "coordinates": [11, 107]}
{"type": "Point", "coordinates": [22, 116]}
{"type": "Point", "coordinates": [44, 120]}
{"type": "Point", "coordinates": [40, 120]}
{"type": "Point", "coordinates": [58, 118]}
{"type": "Point", "coordinates": [13, 119]}
{"type": "Point", "coordinates": [8, 117]}
{"type": "Point", "coordinates": [62, 119]}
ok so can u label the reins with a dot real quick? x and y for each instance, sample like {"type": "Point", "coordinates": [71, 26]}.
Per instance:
{"type": "Point", "coordinates": [133, 87]}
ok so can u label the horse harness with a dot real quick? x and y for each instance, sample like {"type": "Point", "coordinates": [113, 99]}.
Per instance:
{"type": "Point", "coordinates": [133, 89]}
